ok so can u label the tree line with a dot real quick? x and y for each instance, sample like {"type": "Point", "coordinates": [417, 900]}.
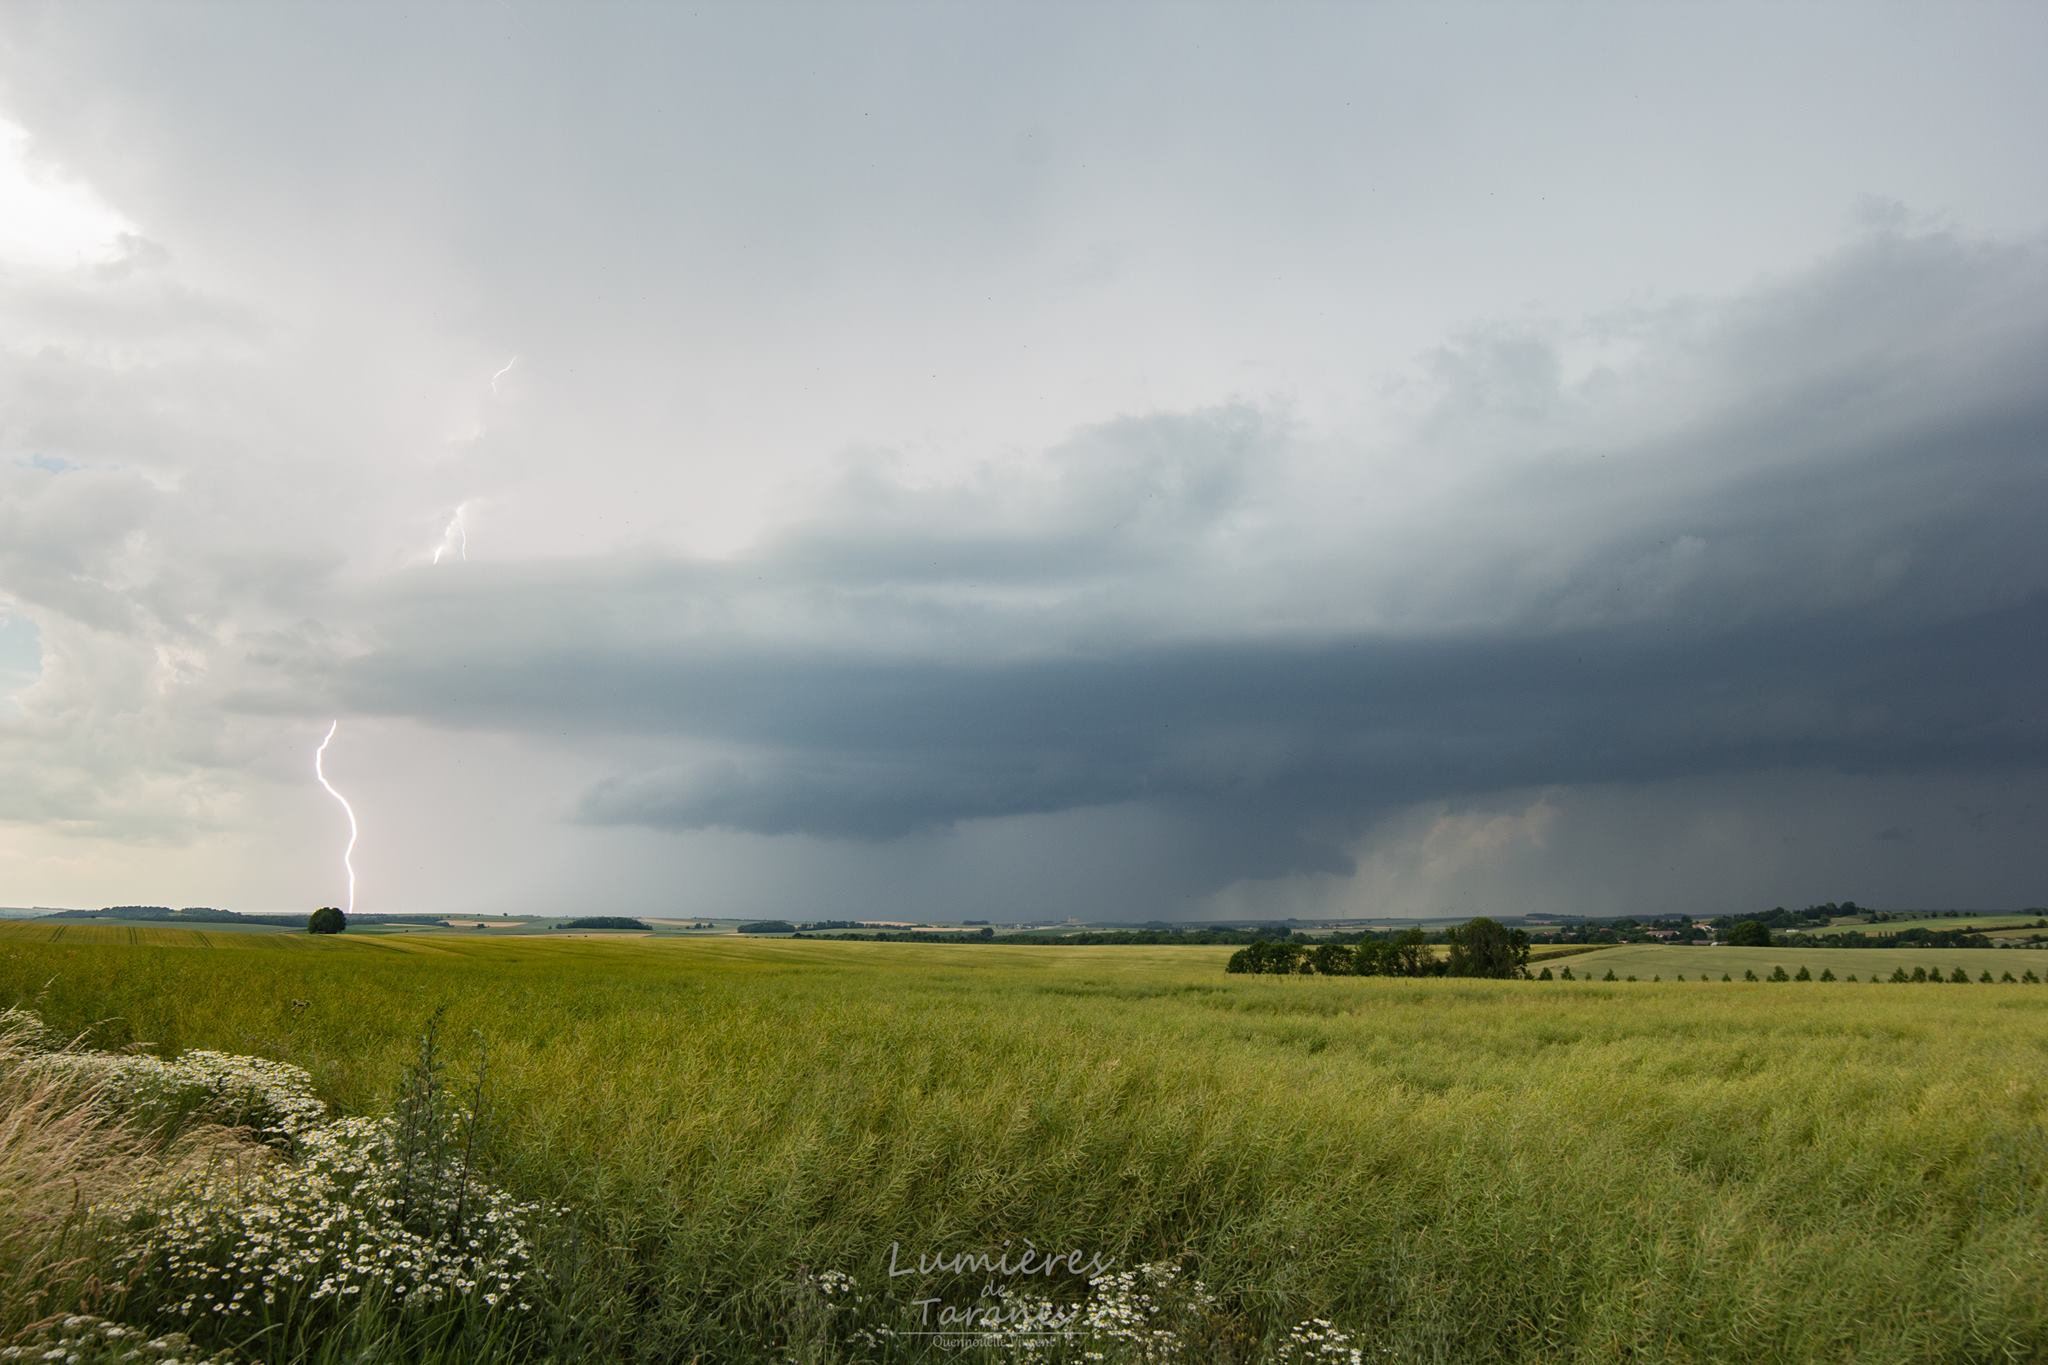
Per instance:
{"type": "Point", "coordinates": [1481, 947]}
{"type": "Point", "coordinates": [1755, 933]}
{"type": "Point", "coordinates": [1957, 976]}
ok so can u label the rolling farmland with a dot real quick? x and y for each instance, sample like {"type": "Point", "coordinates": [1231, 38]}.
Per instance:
{"type": "Point", "coordinates": [1457, 1169]}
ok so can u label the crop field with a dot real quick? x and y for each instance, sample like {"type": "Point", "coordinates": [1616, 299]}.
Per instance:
{"type": "Point", "coordinates": [1452, 1170]}
{"type": "Point", "coordinates": [1645, 960]}
{"type": "Point", "coordinates": [1988, 924]}
{"type": "Point", "coordinates": [141, 932]}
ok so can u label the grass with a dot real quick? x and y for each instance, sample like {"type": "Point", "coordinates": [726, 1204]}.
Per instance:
{"type": "Point", "coordinates": [57, 1150]}
{"type": "Point", "coordinates": [1459, 1170]}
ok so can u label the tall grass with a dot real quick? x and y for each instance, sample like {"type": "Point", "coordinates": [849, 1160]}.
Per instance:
{"type": "Point", "coordinates": [58, 1154]}
{"type": "Point", "coordinates": [1456, 1170]}
{"type": "Point", "coordinates": [69, 1148]}
{"type": "Point", "coordinates": [208, 1209]}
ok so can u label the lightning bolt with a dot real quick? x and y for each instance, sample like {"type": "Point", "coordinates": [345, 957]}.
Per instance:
{"type": "Point", "coordinates": [460, 530]}
{"type": "Point", "coordinates": [320, 772]}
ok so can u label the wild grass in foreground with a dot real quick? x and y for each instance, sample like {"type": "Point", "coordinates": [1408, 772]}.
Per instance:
{"type": "Point", "coordinates": [208, 1207]}
{"type": "Point", "coordinates": [1442, 1170]}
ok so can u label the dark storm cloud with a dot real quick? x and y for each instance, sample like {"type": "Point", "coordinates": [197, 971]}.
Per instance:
{"type": "Point", "coordinates": [1820, 550]}
{"type": "Point", "coordinates": [889, 747]}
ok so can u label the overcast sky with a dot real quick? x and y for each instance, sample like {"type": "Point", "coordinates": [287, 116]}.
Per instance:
{"type": "Point", "coordinates": [993, 461]}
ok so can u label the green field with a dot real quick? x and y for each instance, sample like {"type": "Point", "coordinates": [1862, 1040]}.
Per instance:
{"type": "Point", "coordinates": [1456, 1170]}
{"type": "Point", "coordinates": [139, 932]}
{"type": "Point", "coordinates": [1646, 960]}
{"type": "Point", "coordinates": [1988, 924]}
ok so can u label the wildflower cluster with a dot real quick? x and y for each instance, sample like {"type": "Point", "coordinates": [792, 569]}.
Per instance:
{"type": "Point", "coordinates": [81, 1339]}
{"type": "Point", "coordinates": [1151, 1314]}
{"type": "Point", "coordinates": [345, 1223]}
{"type": "Point", "coordinates": [352, 1211]}
{"type": "Point", "coordinates": [1317, 1342]}
{"type": "Point", "coordinates": [274, 1101]}
{"type": "Point", "coordinates": [1144, 1312]}
{"type": "Point", "coordinates": [315, 1218]}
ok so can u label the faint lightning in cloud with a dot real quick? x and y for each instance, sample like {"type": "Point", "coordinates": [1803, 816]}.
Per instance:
{"type": "Point", "coordinates": [501, 374]}
{"type": "Point", "coordinates": [347, 854]}
{"type": "Point", "coordinates": [455, 536]}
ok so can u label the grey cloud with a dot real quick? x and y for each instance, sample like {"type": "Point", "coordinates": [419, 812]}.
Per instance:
{"type": "Point", "coordinates": [1121, 497]}
{"type": "Point", "coordinates": [1683, 845]}
{"type": "Point", "coordinates": [1309, 729]}
{"type": "Point", "coordinates": [1796, 582]}
{"type": "Point", "coordinates": [849, 797]}
{"type": "Point", "coordinates": [1149, 555]}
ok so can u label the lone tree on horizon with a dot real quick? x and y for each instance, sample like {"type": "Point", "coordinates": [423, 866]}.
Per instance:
{"type": "Point", "coordinates": [328, 919]}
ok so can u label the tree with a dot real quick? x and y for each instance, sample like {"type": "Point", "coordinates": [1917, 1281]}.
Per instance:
{"type": "Point", "coordinates": [1803, 974]}
{"type": "Point", "coordinates": [1544, 975]}
{"type": "Point", "coordinates": [1412, 953]}
{"type": "Point", "coordinates": [1266, 958]}
{"type": "Point", "coordinates": [1333, 959]}
{"type": "Point", "coordinates": [1749, 934]}
{"type": "Point", "coordinates": [1826, 973]}
{"type": "Point", "coordinates": [1778, 974]}
{"type": "Point", "coordinates": [327, 919]}
{"type": "Point", "coordinates": [1485, 947]}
